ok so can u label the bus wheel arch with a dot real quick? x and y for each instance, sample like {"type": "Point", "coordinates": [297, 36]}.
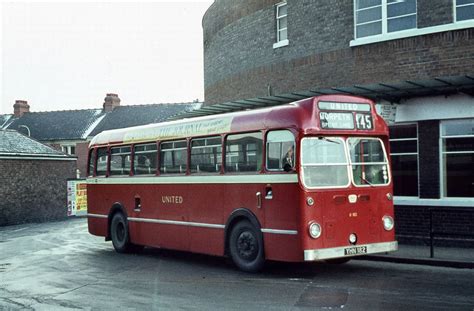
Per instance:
{"type": "Point", "coordinates": [244, 240]}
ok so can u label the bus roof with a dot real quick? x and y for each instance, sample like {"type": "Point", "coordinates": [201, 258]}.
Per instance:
{"type": "Point", "coordinates": [292, 115]}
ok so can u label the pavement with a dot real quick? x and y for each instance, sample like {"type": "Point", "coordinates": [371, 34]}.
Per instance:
{"type": "Point", "coordinates": [453, 257]}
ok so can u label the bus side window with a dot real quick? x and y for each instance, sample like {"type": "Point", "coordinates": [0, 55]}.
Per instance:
{"type": "Point", "coordinates": [90, 167]}
{"type": "Point", "coordinates": [120, 159]}
{"type": "Point", "coordinates": [244, 152]}
{"type": "Point", "coordinates": [145, 159]}
{"type": "Point", "coordinates": [206, 155]}
{"type": "Point", "coordinates": [173, 157]}
{"type": "Point", "coordinates": [101, 164]}
{"type": "Point", "coordinates": [280, 151]}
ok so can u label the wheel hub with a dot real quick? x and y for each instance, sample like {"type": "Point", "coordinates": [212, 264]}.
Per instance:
{"type": "Point", "coordinates": [247, 245]}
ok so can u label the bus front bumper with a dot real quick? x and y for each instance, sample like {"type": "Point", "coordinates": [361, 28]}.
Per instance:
{"type": "Point", "coordinates": [349, 251]}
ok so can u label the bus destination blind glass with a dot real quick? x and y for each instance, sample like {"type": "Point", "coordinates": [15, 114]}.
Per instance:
{"type": "Point", "coordinates": [345, 120]}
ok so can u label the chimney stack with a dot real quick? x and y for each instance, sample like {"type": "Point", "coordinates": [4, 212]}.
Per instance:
{"type": "Point", "coordinates": [110, 102]}
{"type": "Point", "coordinates": [20, 107]}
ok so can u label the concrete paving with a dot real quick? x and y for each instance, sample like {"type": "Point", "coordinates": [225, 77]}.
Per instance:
{"type": "Point", "coordinates": [454, 257]}
{"type": "Point", "coordinates": [59, 266]}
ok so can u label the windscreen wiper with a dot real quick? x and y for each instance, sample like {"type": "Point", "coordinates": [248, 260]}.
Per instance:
{"type": "Point", "coordinates": [365, 180]}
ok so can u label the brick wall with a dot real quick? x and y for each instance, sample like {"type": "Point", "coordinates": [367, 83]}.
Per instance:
{"type": "Point", "coordinates": [33, 190]}
{"type": "Point", "coordinates": [434, 12]}
{"type": "Point", "coordinates": [82, 150]}
{"type": "Point", "coordinates": [412, 225]}
{"type": "Point", "coordinates": [240, 62]}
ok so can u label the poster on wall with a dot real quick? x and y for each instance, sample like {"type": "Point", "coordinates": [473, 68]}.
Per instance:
{"type": "Point", "coordinates": [76, 197]}
{"type": "Point", "coordinates": [387, 111]}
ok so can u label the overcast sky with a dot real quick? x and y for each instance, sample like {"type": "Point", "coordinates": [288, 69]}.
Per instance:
{"type": "Point", "coordinates": [64, 55]}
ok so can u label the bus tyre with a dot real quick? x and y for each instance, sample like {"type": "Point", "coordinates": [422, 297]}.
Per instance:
{"type": "Point", "coordinates": [119, 233]}
{"type": "Point", "coordinates": [246, 247]}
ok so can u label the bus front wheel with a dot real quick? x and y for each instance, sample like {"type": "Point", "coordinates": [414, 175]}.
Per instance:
{"type": "Point", "coordinates": [246, 247]}
{"type": "Point", "coordinates": [120, 235]}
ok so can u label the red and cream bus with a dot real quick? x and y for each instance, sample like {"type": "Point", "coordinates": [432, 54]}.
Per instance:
{"type": "Point", "coordinates": [305, 181]}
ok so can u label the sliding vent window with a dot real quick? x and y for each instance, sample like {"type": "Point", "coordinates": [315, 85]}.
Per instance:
{"type": "Point", "coordinates": [244, 152]}
{"type": "Point", "coordinates": [369, 163]}
{"type": "Point", "coordinates": [206, 155]}
{"type": "Point", "coordinates": [145, 159]}
{"type": "Point", "coordinates": [120, 160]}
{"type": "Point", "coordinates": [173, 157]}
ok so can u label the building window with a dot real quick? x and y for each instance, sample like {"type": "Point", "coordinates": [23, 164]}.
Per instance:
{"type": "Point", "coordinates": [457, 148]}
{"type": "Point", "coordinates": [69, 149]}
{"type": "Point", "coordinates": [404, 154]}
{"type": "Point", "coordinates": [464, 10]}
{"type": "Point", "coordinates": [244, 152]}
{"type": "Point", "coordinates": [173, 157]}
{"type": "Point", "coordinates": [378, 17]}
{"type": "Point", "coordinates": [281, 17]}
{"type": "Point", "coordinates": [206, 155]}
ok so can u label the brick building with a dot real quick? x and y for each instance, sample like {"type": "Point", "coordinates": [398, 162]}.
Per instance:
{"type": "Point", "coordinates": [71, 130]}
{"type": "Point", "coordinates": [32, 180]}
{"type": "Point", "coordinates": [414, 57]}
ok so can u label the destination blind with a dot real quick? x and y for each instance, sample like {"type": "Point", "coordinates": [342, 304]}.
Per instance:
{"type": "Point", "coordinates": [334, 118]}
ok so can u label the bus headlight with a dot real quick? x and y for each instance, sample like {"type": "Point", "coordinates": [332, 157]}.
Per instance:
{"type": "Point", "coordinates": [387, 222]}
{"type": "Point", "coordinates": [352, 238]}
{"type": "Point", "coordinates": [315, 230]}
{"type": "Point", "coordinates": [310, 201]}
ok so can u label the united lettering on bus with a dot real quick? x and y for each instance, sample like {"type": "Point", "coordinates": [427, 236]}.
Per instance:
{"type": "Point", "coordinates": [172, 199]}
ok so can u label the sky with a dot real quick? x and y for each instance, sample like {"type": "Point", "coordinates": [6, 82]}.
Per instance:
{"type": "Point", "coordinates": [65, 55]}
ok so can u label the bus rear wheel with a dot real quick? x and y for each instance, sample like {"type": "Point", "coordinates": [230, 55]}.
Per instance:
{"type": "Point", "coordinates": [246, 247]}
{"type": "Point", "coordinates": [120, 235]}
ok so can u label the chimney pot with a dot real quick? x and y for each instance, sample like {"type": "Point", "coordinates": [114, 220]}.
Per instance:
{"type": "Point", "coordinates": [111, 101]}
{"type": "Point", "coordinates": [20, 107]}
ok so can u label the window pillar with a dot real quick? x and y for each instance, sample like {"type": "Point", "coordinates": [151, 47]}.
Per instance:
{"type": "Point", "coordinates": [428, 144]}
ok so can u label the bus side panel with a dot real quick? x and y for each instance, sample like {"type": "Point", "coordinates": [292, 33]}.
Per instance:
{"type": "Point", "coordinates": [206, 208]}
{"type": "Point", "coordinates": [283, 247]}
{"type": "Point", "coordinates": [97, 226]}
{"type": "Point", "coordinates": [96, 208]}
{"type": "Point", "coordinates": [282, 213]}
{"type": "Point", "coordinates": [243, 196]}
{"type": "Point", "coordinates": [162, 217]}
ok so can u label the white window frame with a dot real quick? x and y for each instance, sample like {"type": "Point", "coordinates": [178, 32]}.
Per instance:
{"type": "Point", "coordinates": [280, 42]}
{"type": "Point", "coordinates": [411, 32]}
{"type": "Point", "coordinates": [408, 154]}
{"type": "Point", "coordinates": [384, 19]}
{"type": "Point", "coordinates": [387, 163]}
{"type": "Point", "coordinates": [442, 180]}
{"type": "Point", "coordinates": [347, 164]}
{"type": "Point", "coordinates": [67, 149]}
{"type": "Point", "coordinates": [455, 15]}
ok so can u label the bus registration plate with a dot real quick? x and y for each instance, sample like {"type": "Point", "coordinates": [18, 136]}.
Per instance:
{"type": "Point", "coordinates": [355, 250]}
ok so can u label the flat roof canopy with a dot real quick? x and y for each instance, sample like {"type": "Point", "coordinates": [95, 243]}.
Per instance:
{"type": "Point", "coordinates": [392, 92]}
